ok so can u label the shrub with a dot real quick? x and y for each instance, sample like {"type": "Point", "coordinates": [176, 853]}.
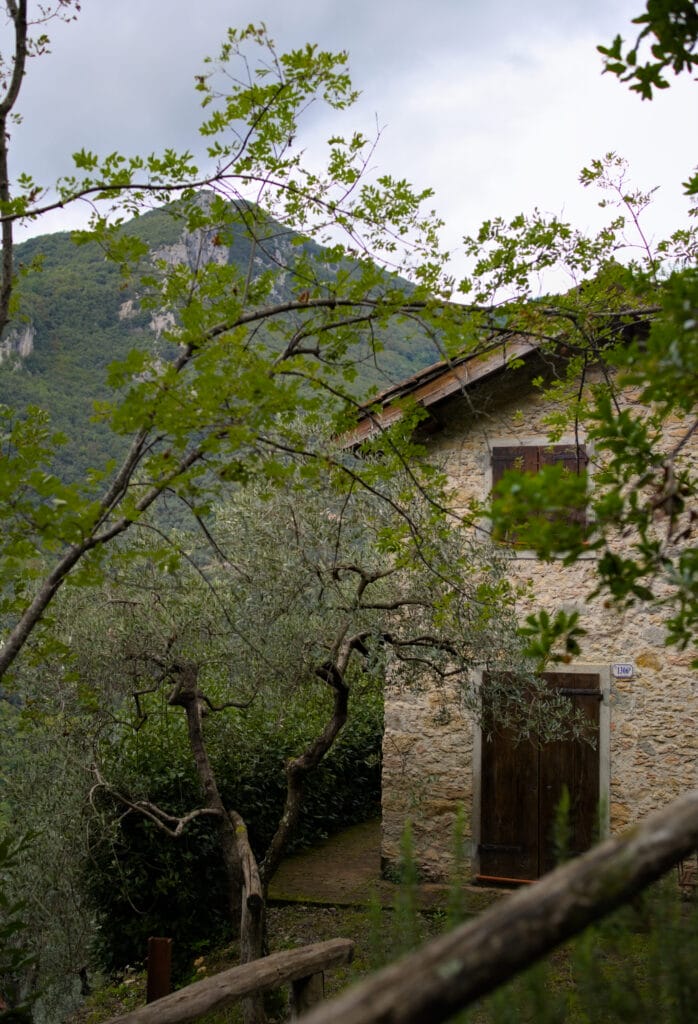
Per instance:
{"type": "Point", "coordinates": [145, 883]}
{"type": "Point", "coordinates": [16, 958]}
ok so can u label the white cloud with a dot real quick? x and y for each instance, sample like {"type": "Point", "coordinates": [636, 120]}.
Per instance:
{"type": "Point", "coordinates": [496, 106]}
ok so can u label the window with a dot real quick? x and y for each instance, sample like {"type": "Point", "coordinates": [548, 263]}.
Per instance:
{"type": "Point", "coordinates": [530, 508]}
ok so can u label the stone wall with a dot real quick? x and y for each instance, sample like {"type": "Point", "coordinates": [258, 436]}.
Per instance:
{"type": "Point", "coordinates": [431, 746]}
{"type": "Point", "coordinates": [427, 776]}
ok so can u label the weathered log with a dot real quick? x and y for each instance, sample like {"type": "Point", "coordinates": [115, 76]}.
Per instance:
{"type": "Point", "coordinates": [228, 987]}
{"type": "Point", "coordinates": [450, 972]}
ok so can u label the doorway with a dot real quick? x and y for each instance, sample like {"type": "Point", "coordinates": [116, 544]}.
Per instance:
{"type": "Point", "coordinates": [521, 784]}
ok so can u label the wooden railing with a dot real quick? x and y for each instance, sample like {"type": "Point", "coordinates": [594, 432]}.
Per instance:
{"type": "Point", "coordinates": [301, 968]}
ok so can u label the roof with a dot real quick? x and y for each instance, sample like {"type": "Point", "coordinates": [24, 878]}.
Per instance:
{"type": "Point", "coordinates": [438, 382]}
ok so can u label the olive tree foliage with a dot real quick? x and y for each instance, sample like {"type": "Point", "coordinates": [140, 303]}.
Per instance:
{"type": "Point", "coordinates": [292, 600]}
{"type": "Point", "coordinates": [15, 957]}
{"type": "Point", "coordinates": [228, 400]}
{"type": "Point", "coordinates": [44, 755]}
{"type": "Point", "coordinates": [236, 364]}
{"type": "Point", "coordinates": [219, 403]}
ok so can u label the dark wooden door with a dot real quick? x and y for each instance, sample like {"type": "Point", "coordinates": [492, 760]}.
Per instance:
{"type": "Point", "coordinates": [522, 784]}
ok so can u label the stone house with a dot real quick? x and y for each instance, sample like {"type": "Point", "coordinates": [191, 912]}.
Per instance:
{"type": "Point", "coordinates": [640, 697]}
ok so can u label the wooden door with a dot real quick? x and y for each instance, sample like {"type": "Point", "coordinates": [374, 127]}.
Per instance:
{"type": "Point", "coordinates": [522, 784]}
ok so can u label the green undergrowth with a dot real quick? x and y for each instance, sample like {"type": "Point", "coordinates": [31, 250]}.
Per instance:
{"type": "Point", "coordinates": [639, 964]}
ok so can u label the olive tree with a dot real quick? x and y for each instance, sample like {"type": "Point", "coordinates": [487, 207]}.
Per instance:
{"type": "Point", "coordinates": [290, 592]}
{"type": "Point", "coordinates": [247, 365]}
{"type": "Point", "coordinates": [240, 363]}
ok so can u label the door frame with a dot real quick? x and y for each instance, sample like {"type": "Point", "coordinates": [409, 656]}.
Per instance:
{"type": "Point", "coordinates": [603, 670]}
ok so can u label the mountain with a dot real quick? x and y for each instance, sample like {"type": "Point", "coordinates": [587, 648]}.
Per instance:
{"type": "Point", "coordinates": [77, 316]}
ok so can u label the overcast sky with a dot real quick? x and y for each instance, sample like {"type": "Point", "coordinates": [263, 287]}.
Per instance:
{"type": "Point", "coordinates": [496, 105]}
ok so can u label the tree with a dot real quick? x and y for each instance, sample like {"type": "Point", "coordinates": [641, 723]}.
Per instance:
{"type": "Point", "coordinates": [43, 772]}
{"type": "Point", "coordinates": [221, 401]}
{"type": "Point", "coordinates": [236, 361]}
{"type": "Point", "coordinates": [638, 322]}
{"type": "Point", "coordinates": [673, 25]}
{"type": "Point", "coordinates": [621, 327]}
{"type": "Point", "coordinates": [235, 393]}
{"type": "Point", "coordinates": [301, 598]}
{"type": "Point", "coordinates": [15, 957]}
{"type": "Point", "coordinates": [242, 375]}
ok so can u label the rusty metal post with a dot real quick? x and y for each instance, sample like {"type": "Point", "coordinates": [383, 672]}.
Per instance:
{"type": "Point", "coordinates": [159, 969]}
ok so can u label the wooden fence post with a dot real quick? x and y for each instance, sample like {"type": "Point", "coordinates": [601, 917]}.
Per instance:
{"type": "Point", "coordinates": [159, 982]}
{"type": "Point", "coordinates": [306, 993]}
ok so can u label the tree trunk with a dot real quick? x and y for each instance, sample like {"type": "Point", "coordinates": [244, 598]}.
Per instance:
{"type": "Point", "coordinates": [245, 894]}
{"type": "Point", "coordinates": [251, 915]}
{"type": "Point", "coordinates": [186, 695]}
{"type": "Point", "coordinates": [298, 768]}
{"type": "Point", "coordinates": [246, 882]}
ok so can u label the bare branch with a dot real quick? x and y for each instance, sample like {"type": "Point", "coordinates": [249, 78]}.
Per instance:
{"type": "Point", "coordinates": [161, 818]}
{"type": "Point", "coordinates": [241, 704]}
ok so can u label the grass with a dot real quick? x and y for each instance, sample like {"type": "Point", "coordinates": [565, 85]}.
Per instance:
{"type": "Point", "coordinates": [290, 926]}
{"type": "Point", "coordinates": [639, 965]}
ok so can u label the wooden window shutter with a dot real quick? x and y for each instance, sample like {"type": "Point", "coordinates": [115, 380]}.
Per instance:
{"type": "Point", "coordinates": [575, 460]}
{"type": "Point", "coordinates": [522, 457]}
{"type": "Point", "coordinates": [530, 458]}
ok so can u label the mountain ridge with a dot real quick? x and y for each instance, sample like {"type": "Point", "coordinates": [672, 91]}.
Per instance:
{"type": "Point", "coordinates": [77, 316]}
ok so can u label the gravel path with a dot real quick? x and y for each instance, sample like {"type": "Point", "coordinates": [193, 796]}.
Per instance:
{"type": "Point", "coordinates": [344, 870]}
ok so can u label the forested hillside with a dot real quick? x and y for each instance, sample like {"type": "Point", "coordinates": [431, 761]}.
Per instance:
{"type": "Point", "coordinates": [78, 315]}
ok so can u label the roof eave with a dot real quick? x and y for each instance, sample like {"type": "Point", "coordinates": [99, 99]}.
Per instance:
{"type": "Point", "coordinates": [435, 384]}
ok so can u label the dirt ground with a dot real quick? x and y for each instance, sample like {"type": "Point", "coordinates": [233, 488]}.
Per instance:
{"type": "Point", "coordinates": [344, 870]}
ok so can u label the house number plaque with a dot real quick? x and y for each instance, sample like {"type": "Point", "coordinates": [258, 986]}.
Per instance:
{"type": "Point", "coordinates": [622, 670]}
